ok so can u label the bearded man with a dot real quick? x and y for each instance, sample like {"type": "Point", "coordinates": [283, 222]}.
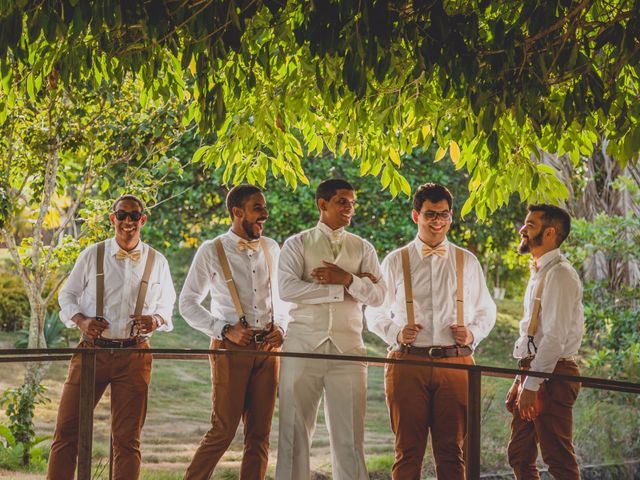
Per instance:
{"type": "Point", "coordinates": [237, 270]}
{"type": "Point", "coordinates": [550, 335]}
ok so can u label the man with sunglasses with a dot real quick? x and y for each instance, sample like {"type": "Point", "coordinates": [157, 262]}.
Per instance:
{"type": "Point", "coordinates": [437, 309]}
{"type": "Point", "coordinates": [237, 269]}
{"type": "Point", "coordinates": [327, 274]}
{"type": "Point", "coordinates": [118, 293]}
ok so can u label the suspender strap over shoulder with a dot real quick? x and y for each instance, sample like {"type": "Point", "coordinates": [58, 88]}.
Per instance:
{"type": "Point", "coordinates": [459, 287]}
{"type": "Point", "coordinates": [408, 290]}
{"type": "Point", "coordinates": [144, 284]}
{"type": "Point", "coordinates": [534, 321]}
{"type": "Point", "coordinates": [226, 271]}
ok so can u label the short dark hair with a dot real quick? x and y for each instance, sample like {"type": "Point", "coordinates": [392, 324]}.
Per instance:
{"type": "Point", "coordinates": [130, 197]}
{"type": "Point", "coordinates": [328, 188]}
{"type": "Point", "coordinates": [556, 217]}
{"type": "Point", "coordinates": [433, 192]}
{"type": "Point", "coordinates": [238, 195]}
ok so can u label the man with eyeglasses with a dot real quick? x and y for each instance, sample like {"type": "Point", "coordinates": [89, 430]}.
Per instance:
{"type": "Point", "coordinates": [238, 270]}
{"type": "Point", "coordinates": [327, 274]}
{"type": "Point", "coordinates": [118, 293]}
{"type": "Point", "coordinates": [438, 309]}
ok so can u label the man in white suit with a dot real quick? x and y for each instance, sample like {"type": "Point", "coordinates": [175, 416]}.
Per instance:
{"type": "Point", "coordinates": [327, 274]}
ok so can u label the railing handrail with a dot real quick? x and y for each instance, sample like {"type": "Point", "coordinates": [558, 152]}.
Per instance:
{"type": "Point", "coordinates": [57, 354]}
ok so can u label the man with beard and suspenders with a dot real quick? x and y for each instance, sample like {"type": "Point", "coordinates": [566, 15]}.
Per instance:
{"type": "Point", "coordinates": [238, 269]}
{"type": "Point", "coordinates": [118, 293]}
{"type": "Point", "coordinates": [437, 308]}
{"type": "Point", "coordinates": [327, 274]}
{"type": "Point", "coordinates": [550, 335]}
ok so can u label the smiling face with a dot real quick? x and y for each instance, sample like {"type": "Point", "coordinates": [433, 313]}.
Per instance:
{"type": "Point", "coordinates": [248, 220]}
{"type": "Point", "coordinates": [535, 237]}
{"type": "Point", "coordinates": [338, 210]}
{"type": "Point", "coordinates": [434, 221]}
{"type": "Point", "coordinates": [127, 229]}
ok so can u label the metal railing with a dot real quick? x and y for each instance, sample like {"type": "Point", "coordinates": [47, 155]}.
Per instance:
{"type": "Point", "coordinates": [475, 373]}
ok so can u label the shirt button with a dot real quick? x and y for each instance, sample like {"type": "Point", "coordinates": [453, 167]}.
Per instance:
{"type": "Point", "coordinates": [255, 290]}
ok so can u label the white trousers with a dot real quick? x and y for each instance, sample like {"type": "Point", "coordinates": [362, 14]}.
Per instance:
{"type": "Point", "coordinates": [302, 382]}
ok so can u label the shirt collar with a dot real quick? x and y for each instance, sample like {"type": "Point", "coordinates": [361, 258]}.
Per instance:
{"type": "Point", "coordinates": [419, 244]}
{"type": "Point", "coordinates": [547, 257]}
{"type": "Point", "coordinates": [112, 247]}
{"type": "Point", "coordinates": [332, 234]}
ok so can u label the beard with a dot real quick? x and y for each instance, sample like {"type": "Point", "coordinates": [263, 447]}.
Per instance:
{"type": "Point", "coordinates": [525, 245]}
{"type": "Point", "coordinates": [248, 229]}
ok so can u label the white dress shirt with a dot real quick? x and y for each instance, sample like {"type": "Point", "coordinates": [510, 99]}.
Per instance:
{"type": "Point", "coordinates": [121, 284]}
{"type": "Point", "coordinates": [251, 276]}
{"type": "Point", "coordinates": [433, 280]}
{"type": "Point", "coordinates": [561, 323]}
{"type": "Point", "coordinates": [294, 289]}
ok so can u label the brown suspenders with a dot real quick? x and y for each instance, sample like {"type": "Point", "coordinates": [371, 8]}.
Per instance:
{"type": "Point", "coordinates": [144, 283]}
{"type": "Point", "coordinates": [408, 290]}
{"type": "Point", "coordinates": [228, 278]}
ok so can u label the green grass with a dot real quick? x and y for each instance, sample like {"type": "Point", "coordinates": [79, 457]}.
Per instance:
{"type": "Point", "coordinates": [606, 424]}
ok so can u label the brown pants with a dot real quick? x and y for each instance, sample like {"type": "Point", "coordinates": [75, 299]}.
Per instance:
{"type": "Point", "coordinates": [129, 375]}
{"type": "Point", "coordinates": [552, 429]}
{"type": "Point", "coordinates": [420, 399]}
{"type": "Point", "coordinates": [243, 387]}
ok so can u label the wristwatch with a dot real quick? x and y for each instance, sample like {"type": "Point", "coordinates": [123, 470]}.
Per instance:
{"type": "Point", "coordinates": [225, 329]}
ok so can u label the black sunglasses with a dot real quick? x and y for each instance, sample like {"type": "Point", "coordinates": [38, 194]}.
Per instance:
{"type": "Point", "coordinates": [134, 216]}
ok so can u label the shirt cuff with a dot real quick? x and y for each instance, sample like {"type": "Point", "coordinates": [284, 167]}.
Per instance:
{"type": "Point", "coordinates": [336, 292]}
{"type": "Point", "coordinates": [393, 332]}
{"type": "Point", "coordinates": [532, 383]}
{"type": "Point", "coordinates": [67, 314]}
{"type": "Point", "coordinates": [217, 329]}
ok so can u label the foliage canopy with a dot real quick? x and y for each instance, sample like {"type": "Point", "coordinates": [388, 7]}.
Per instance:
{"type": "Point", "coordinates": [491, 82]}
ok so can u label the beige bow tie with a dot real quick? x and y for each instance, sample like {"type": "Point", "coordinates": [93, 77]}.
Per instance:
{"type": "Point", "coordinates": [441, 251]}
{"type": "Point", "coordinates": [133, 255]}
{"type": "Point", "coordinates": [252, 245]}
{"type": "Point", "coordinates": [533, 265]}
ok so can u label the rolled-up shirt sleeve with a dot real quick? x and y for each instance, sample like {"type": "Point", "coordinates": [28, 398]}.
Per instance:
{"type": "Point", "coordinates": [71, 292]}
{"type": "Point", "coordinates": [195, 289]}
{"type": "Point", "coordinates": [291, 285]}
{"type": "Point", "coordinates": [556, 313]}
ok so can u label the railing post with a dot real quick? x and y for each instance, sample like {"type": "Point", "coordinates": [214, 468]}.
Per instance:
{"type": "Point", "coordinates": [473, 424]}
{"type": "Point", "coordinates": [85, 427]}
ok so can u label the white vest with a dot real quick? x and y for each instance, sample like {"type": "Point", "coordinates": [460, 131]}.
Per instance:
{"type": "Point", "coordinates": [339, 322]}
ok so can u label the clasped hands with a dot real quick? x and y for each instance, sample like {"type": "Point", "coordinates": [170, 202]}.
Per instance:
{"type": "Point", "coordinates": [332, 274]}
{"type": "Point", "coordinates": [523, 401]}
{"type": "Point", "coordinates": [241, 335]}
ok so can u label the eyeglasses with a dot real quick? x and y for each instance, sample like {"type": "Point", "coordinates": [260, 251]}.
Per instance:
{"type": "Point", "coordinates": [134, 216]}
{"type": "Point", "coordinates": [432, 215]}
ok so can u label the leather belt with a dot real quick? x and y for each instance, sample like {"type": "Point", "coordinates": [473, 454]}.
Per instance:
{"type": "Point", "coordinates": [436, 352]}
{"type": "Point", "coordinates": [118, 343]}
{"type": "Point", "coordinates": [525, 362]}
{"type": "Point", "coordinates": [257, 336]}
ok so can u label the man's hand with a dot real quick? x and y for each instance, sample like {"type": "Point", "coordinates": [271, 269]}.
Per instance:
{"type": "Point", "coordinates": [275, 337]}
{"type": "Point", "coordinates": [239, 334]}
{"type": "Point", "coordinates": [331, 274]}
{"type": "Point", "coordinates": [462, 335]}
{"type": "Point", "coordinates": [144, 324]}
{"type": "Point", "coordinates": [526, 404]}
{"type": "Point", "coordinates": [512, 396]}
{"type": "Point", "coordinates": [408, 334]}
{"type": "Point", "coordinates": [91, 327]}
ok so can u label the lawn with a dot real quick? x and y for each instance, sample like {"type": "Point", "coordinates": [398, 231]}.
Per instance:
{"type": "Point", "coordinates": [180, 403]}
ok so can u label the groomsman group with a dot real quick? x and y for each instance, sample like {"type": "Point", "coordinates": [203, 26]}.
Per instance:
{"type": "Point", "coordinates": [428, 300]}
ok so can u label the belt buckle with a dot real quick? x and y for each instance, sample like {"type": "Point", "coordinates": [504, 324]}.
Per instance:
{"type": "Point", "coordinates": [258, 337]}
{"type": "Point", "coordinates": [432, 352]}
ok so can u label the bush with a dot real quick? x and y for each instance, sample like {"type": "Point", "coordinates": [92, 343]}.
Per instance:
{"type": "Point", "coordinates": [14, 304]}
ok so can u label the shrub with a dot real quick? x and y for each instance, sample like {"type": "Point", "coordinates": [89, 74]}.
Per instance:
{"type": "Point", "coordinates": [14, 304]}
